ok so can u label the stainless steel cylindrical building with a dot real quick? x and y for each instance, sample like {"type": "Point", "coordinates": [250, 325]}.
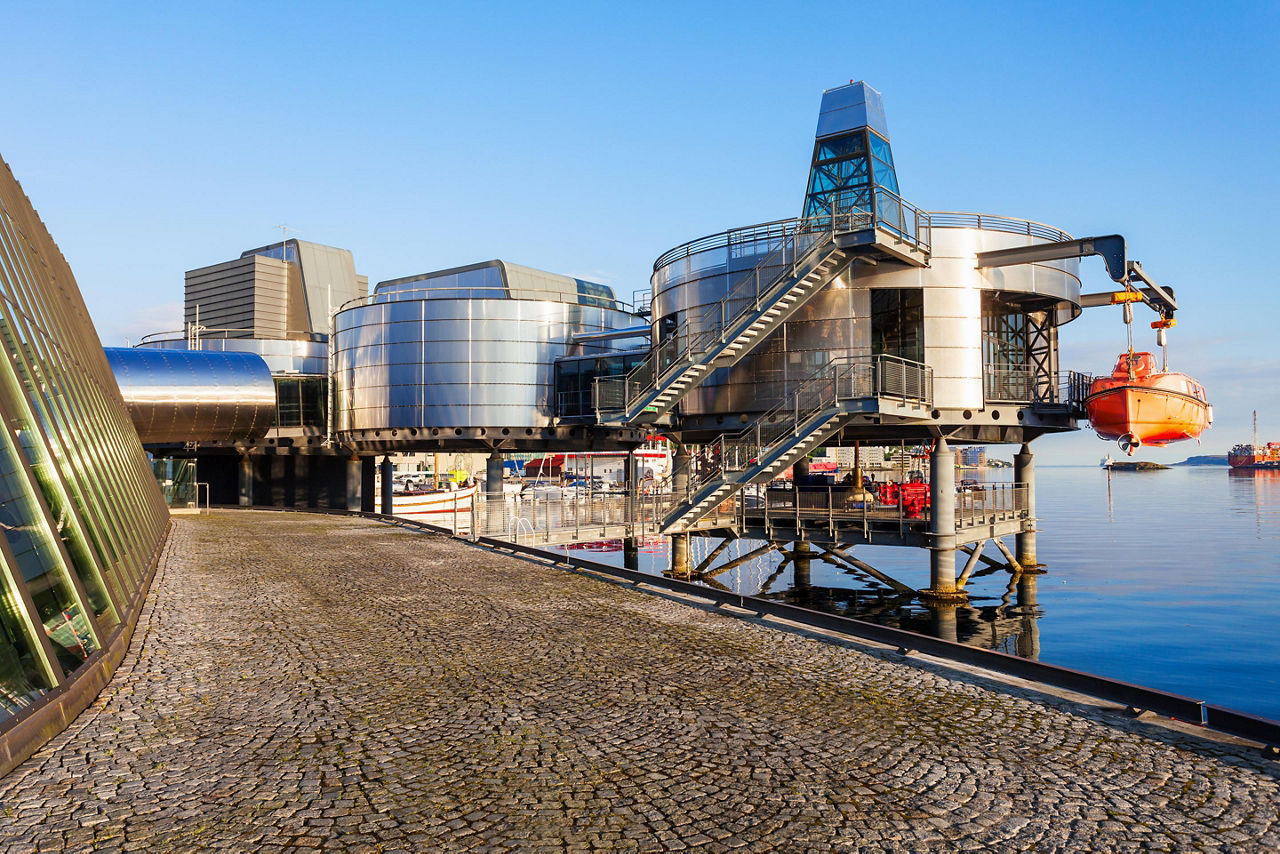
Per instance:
{"type": "Point", "coordinates": [988, 334]}
{"type": "Point", "coordinates": [466, 353]}
{"type": "Point", "coordinates": [179, 396]}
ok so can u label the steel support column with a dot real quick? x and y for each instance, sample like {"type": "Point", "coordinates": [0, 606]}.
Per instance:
{"type": "Point", "coordinates": [246, 481]}
{"type": "Point", "coordinates": [386, 471]}
{"type": "Point", "coordinates": [631, 483]}
{"type": "Point", "coordinates": [354, 475]}
{"type": "Point", "coordinates": [1024, 472]}
{"type": "Point", "coordinates": [942, 524]}
{"type": "Point", "coordinates": [494, 501]}
{"type": "Point", "coordinates": [680, 563]}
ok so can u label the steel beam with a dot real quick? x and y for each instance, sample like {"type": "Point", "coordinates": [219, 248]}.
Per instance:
{"type": "Point", "coordinates": [1110, 247]}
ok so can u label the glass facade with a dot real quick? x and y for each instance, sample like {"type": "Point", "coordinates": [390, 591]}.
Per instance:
{"type": "Point", "coordinates": [82, 517]}
{"type": "Point", "coordinates": [849, 173]}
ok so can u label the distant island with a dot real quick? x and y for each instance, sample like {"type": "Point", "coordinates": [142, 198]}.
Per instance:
{"type": "Point", "coordinates": [1136, 465]}
{"type": "Point", "coordinates": [1208, 460]}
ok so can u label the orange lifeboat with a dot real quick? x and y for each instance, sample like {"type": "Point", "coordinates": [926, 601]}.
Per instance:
{"type": "Point", "coordinates": [1140, 405]}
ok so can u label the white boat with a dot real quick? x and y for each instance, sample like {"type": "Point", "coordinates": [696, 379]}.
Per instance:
{"type": "Point", "coordinates": [436, 506]}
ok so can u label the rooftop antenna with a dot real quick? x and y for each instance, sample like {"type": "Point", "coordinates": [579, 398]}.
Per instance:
{"type": "Point", "coordinates": [284, 239]}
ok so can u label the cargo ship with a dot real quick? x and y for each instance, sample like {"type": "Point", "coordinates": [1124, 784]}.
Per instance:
{"type": "Point", "coordinates": [1255, 456]}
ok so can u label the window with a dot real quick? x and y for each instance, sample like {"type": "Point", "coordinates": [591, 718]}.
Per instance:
{"type": "Point", "coordinates": [897, 323]}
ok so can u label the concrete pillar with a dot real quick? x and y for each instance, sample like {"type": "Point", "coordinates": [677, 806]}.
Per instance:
{"type": "Point", "coordinates": [801, 563]}
{"type": "Point", "coordinates": [799, 470]}
{"type": "Point", "coordinates": [386, 472]}
{"type": "Point", "coordinates": [1029, 616]}
{"type": "Point", "coordinates": [680, 471]}
{"type": "Point", "coordinates": [354, 472]}
{"type": "Point", "coordinates": [680, 563]}
{"type": "Point", "coordinates": [944, 621]}
{"type": "Point", "coordinates": [1024, 471]}
{"type": "Point", "coordinates": [246, 481]}
{"type": "Point", "coordinates": [495, 503]}
{"type": "Point", "coordinates": [942, 516]}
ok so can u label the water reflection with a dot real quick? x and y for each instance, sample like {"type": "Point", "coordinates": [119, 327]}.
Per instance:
{"type": "Point", "coordinates": [1163, 578]}
{"type": "Point", "coordinates": [1263, 487]}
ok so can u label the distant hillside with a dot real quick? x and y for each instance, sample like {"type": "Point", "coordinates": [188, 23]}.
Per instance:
{"type": "Point", "coordinates": [1209, 460]}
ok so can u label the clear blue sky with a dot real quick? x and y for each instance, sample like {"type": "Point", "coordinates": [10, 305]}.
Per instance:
{"type": "Point", "coordinates": [589, 138]}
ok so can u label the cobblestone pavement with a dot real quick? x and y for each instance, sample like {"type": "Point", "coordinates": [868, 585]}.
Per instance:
{"type": "Point", "coordinates": [316, 682]}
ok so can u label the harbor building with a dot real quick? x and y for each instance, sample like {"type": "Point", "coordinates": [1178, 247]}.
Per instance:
{"type": "Point", "coordinates": [864, 322]}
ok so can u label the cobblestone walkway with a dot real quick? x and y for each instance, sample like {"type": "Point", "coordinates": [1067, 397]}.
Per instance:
{"type": "Point", "coordinates": [308, 682]}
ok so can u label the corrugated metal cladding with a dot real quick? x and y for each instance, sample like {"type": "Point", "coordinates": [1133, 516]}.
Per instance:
{"type": "Point", "coordinates": [248, 295]}
{"type": "Point", "coordinates": [82, 516]}
{"type": "Point", "coordinates": [282, 290]}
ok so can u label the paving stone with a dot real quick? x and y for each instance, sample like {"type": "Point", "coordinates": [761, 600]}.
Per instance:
{"type": "Point", "coordinates": [301, 682]}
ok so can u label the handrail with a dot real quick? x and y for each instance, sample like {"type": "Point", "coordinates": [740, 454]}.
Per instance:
{"type": "Point", "coordinates": [713, 320]}
{"type": "Point", "coordinates": [936, 219]}
{"type": "Point", "coordinates": [501, 292]}
{"type": "Point", "coordinates": [991, 222]}
{"type": "Point", "coordinates": [843, 378]}
{"type": "Point", "coordinates": [204, 333]}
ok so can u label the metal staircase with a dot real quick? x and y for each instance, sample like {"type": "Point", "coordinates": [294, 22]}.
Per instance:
{"type": "Point", "coordinates": [808, 257]}
{"type": "Point", "coordinates": [725, 331]}
{"type": "Point", "coordinates": [821, 405]}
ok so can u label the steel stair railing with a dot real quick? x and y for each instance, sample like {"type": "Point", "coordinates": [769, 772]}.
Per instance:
{"type": "Point", "coordinates": [728, 321]}
{"type": "Point", "coordinates": [805, 418]}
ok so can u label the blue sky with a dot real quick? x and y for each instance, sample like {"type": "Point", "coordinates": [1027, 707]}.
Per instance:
{"type": "Point", "coordinates": [589, 138]}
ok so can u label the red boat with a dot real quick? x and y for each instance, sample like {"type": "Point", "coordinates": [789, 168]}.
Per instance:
{"type": "Point", "coordinates": [1140, 405]}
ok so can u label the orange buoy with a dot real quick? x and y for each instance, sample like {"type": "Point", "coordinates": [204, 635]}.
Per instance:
{"type": "Point", "coordinates": [1140, 405]}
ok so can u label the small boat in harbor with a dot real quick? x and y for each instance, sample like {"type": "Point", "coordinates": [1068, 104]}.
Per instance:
{"type": "Point", "coordinates": [438, 506]}
{"type": "Point", "coordinates": [1140, 405]}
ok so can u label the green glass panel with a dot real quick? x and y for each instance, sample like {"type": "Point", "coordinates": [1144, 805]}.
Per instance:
{"type": "Point", "coordinates": [22, 679]}
{"type": "Point", "coordinates": [41, 565]}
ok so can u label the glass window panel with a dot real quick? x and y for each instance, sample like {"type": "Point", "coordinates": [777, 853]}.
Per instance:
{"type": "Point", "coordinates": [288, 403]}
{"type": "Point", "coordinates": [22, 679]}
{"type": "Point", "coordinates": [40, 564]}
{"type": "Point", "coordinates": [880, 148]}
{"type": "Point", "coordinates": [897, 322]}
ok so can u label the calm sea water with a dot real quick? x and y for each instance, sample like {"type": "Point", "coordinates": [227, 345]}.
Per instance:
{"type": "Point", "coordinates": [1169, 579]}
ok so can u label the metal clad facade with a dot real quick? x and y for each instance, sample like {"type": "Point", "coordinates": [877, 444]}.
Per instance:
{"type": "Point", "coordinates": [248, 294]}
{"type": "Point", "coordinates": [837, 321]}
{"type": "Point", "coordinates": [82, 515]}
{"type": "Point", "coordinates": [194, 395]}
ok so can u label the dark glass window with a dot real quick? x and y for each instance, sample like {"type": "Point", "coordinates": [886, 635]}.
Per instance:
{"type": "Point", "coordinates": [897, 322]}
{"type": "Point", "coordinates": [301, 402]}
{"type": "Point", "coordinates": [1005, 364]}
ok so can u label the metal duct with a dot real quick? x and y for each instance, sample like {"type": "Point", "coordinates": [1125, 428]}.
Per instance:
{"type": "Point", "coordinates": [194, 395]}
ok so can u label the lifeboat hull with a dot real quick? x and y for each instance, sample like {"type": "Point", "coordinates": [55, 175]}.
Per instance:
{"type": "Point", "coordinates": [1145, 415]}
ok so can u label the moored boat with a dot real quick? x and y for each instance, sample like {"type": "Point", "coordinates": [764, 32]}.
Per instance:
{"type": "Point", "coordinates": [438, 506]}
{"type": "Point", "coordinates": [1140, 405]}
